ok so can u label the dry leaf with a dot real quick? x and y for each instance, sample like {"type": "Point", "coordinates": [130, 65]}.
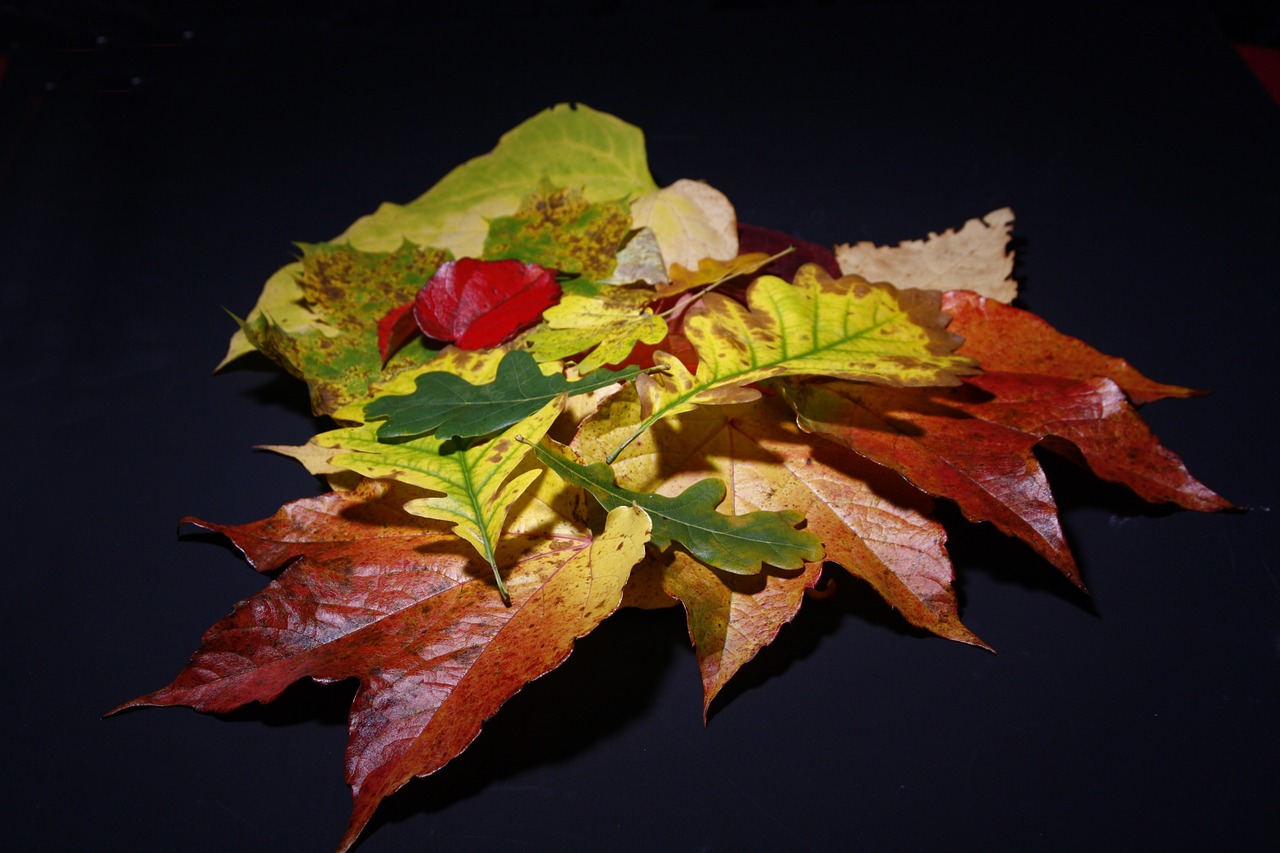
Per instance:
{"type": "Point", "coordinates": [973, 258]}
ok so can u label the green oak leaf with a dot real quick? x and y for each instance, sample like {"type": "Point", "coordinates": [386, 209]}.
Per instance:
{"type": "Point", "coordinates": [348, 291]}
{"type": "Point", "coordinates": [477, 493]}
{"type": "Point", "coordinates": [452, 406]}
{"type": "Point", "coordinates": [561, 230]}
{"type": "Point", "coordinates": [739, 544]}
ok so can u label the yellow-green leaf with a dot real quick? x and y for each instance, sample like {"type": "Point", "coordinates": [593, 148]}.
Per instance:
{"type": "Point", "coordinates": [474, 480]}
{"type": "Point", "coordinates": [561, 230]}
{"type": "Point", "coordinates": [844, 327]}
{"type": "Point", "coordinates": [691, 220]}
{"type": "Point", "coordinates": [612, 322]}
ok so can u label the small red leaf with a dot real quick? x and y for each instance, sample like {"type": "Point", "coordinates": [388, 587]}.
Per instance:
{"type": "Point", "coordinates": [478, 304]}
{"type": "Point", "coordinates": [395, 329]}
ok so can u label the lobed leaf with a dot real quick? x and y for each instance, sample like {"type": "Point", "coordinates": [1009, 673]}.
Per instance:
{"type": "Point", "coordinates": [740, 544]}
{"type": "Point", "coordinates": [434, 652]}
{"type": "Point", "coordinates": [561, 230]}
{"type": "Point", "coordinates": [450, 406]}
{"type": "Point", "coordinates": [609, 324]}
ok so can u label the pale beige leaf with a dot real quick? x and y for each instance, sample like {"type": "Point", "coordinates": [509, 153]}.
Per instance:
{"type": "Point", "coordinates": [973, 258]}
{"type": "Point", "coordinates": [691, 220]}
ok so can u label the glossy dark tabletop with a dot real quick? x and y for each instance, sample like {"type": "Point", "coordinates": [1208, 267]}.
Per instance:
{"type": "Point", "coordinates": [151, 183]}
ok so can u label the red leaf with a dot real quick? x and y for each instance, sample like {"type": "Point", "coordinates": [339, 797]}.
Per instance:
{"type": "Point", "coordinates": [370, 592]}
{"type": "Point", "coordinates": [1001, 337]}
{"type": "Point", "coordinates": [478, 304]}
{"type": "Point", "coordinates": [395, 329]}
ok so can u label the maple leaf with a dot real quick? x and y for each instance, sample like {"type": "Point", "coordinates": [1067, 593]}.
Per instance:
{"type": "Point", "coordinates": [479, 304]}
{"type": "Point", "coordinates": [477, 483]}
{"type": "Point", "coordinates": [347, 291]}
{"type": "Point", "coordinates": [973, 258]}
{"type": "Point", "coordinates": [871, 522]}
{"type": "Point", "coordinates": [561, 230]}
{"type": "Point", "coordinates": [609, 323]}
{"type": "Point", "coordinates": [691, 221]}
{"type": "Point", "coordinates": [368, 592]}
{"type": "Point", "coordinates": [739, 544]}
{"type": "Point", "coordinates": [818, 325]}
{"type": "Point", "coordinates": [451, 406]}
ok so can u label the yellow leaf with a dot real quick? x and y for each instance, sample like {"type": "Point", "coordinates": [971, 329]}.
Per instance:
{"type": "Point", "coordinates": [844, 328]}
{"type": "Point", "coordinates": [691, 220]}
{"type": "Point", "coordinates": [973, 258]}
{"type": "Point", "coordinates": [476, 482]}
{"type": "Point", "coordinates": [611, 322]}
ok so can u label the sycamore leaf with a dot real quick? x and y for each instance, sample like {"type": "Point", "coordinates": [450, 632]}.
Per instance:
{"type": "Point", "coordinates": [872, 523]}
{"type": "Point", "coordinates": [567, 145]}
{"type": "Point", "coordinates": [561, 230]}
{"type": "Point", "coordinates": [350, 291]}
{"type": "Point", "coordinates": [609, 324]}
{"type": "Point", "coordinates": [1001, 337]}
{"type": "Point", "coordinates": [843, 327]}
{"type": "Point", "coordinates": [732, 543]}
{"type": "Point", "coordinates": [451, 406]}
{"type": "Point", "coordinates": [476, 481]}
{"type": "Point", "coordinates": [369, 593]}
{"type": "Point", "coordinates": [480, 304]}
{"type": "Point", "coordinates": [691, 220]}
{"type": "Point", "coordinates": [973, 258]}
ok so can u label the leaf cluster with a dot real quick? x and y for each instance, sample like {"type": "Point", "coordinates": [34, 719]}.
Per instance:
{"type": "Point", "coordinates": [684, 427]}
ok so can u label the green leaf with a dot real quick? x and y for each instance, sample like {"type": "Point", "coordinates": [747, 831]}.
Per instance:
{"type": "Point", "coordinates": [346, 291]}
{"type": "Point", "coordinates": [474, 480]}
{"type": "Point", "coordinates": [569, 146]}
{"type": "Point", "coordinates": [452, 406]}
{"type": "Point", "coordinates": [561, 230]}
{"type": "Point", "coordinates": [740, 544]}
{"type": "Point", "coordinates": [611, 322]}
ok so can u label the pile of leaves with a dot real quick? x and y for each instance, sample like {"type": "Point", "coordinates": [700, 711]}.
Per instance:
{"type": "Point", "coordinates": [560, 390]}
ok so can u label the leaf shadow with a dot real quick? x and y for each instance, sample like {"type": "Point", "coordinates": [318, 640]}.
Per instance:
{"type": "Point", "coordinates": [617, 677]}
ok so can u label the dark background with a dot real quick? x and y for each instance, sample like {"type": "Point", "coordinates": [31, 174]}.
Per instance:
{"type": "Point", "coordinates": [158, 161]}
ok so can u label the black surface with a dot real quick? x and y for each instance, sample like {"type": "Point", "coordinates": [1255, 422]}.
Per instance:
{"type": "Point", "coordinates": [1140, 159]}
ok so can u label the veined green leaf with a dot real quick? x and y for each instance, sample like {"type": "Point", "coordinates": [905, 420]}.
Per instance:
{"type": "Point", "coordinates": [740, 544]}
{"type": "Point", "coordinates": [452, 406]}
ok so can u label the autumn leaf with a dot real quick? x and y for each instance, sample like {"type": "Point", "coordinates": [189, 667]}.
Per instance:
{"type": "Point", "coordinates": [476, 481]}
{"type": "Point", "coordinates": [561, 230]}
{"type": "Point", "coordinates": [739, 544]}
{"type": "Point", "coordinates": [568, 145]}
{"type": "Point", "coordinates": [872, 523]}
{"type": "Point", "coordinates": [691, 221]}
{"type": "Point", "coordinates": [818, 325]}
{"type": "Point", "coordinates": [449, 405]}
{"type": "Point", "coordinates": [973, 258]}
{"type": "Point", "coordinates": [369, 593]}
{"type": "Point", "coordinates": [478, 304]}
{"type": "Point", "coordinates": [711, 272]}
{"type": "Point", "coordinates": [639, 261]}
{"type": "Point", "coordinates": [609, 324]}
{"type": "Point", "coordinates": [1001, 337]}
{"type": "Point", "coordinates": [348, 291]}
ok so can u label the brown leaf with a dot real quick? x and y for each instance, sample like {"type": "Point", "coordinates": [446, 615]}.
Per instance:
{"type": "Point", "coordinates": [409, 612]}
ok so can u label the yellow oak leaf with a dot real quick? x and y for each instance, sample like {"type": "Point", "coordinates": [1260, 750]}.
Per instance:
{"type": "Point", "coordinates": [609, 324]}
